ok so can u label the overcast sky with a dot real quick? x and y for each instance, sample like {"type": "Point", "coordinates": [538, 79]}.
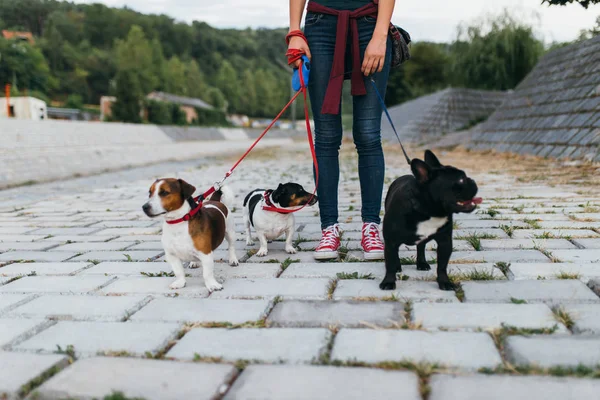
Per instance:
{"type": "Point", "coordinates": [433, 20]}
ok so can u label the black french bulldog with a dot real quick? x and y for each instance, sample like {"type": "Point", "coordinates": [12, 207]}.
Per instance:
{"type": "Point", "coordinates": [419, 209]}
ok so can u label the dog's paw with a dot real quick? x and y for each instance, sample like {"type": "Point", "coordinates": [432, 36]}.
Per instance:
{"type": "Point", "coordinates": [178, 284]}
{"type": "Point", "coordinates": [194, 265]}
{"type": "Point", "coordinates": [290, 250]}
{"type": "Point", "coordinates": [262, 252]}
{"type": "Point", "coordinates": [234, 262]}
{"type": "Point", "coordinates": [446, 285]}
{"type": "Point", "coordinates": [385, 285]}
{"type": "Point", "coordinates": [249, 242]}
{"type": "Point", "coordinates": [213, 286]}
{"type": "Point", "coordinates": [423, 266]}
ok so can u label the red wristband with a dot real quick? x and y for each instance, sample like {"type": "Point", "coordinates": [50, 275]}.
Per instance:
{"type": "Point", "coordinates": [296, 33]}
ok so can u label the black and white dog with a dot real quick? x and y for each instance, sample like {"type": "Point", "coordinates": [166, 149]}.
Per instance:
{"type": "Point", "coordinates": [259, 212]}
{"type": "Point", "coordinates": [419, 208]}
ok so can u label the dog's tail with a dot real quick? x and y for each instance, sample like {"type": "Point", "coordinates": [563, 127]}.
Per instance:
{"type": "Point", "coordinates": [225, 195]}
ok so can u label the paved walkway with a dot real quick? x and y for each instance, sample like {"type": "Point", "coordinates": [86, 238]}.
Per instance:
{"type": "Point", "coordinates": [85, 308]}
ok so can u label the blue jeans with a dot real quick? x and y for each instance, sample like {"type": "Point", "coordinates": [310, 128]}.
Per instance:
{"type": "Point", "coordinates": [320, 31]}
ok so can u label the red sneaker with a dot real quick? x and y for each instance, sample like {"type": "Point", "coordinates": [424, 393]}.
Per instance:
{"type": "Point", "coordinates": [371, 242]}
{"type": "Point", "coordinates": [329, 244]}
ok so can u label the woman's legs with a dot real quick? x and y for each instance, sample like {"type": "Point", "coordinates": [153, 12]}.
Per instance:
{"type": "Point", "coordinates": [366, 131]}
{"type": "Point", "coordinates": [321, 34]}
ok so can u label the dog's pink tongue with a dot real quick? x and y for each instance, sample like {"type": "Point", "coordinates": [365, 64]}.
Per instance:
{"type": "Point", "coordinates": [477, 200]}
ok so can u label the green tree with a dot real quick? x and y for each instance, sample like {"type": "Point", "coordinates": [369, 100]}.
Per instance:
{"type": "Point", "coordinates": [175, 79]}
{"type": "Point", "coordinates": [129, 97]}
{"type": "Point", "coordinates": [495, 55]}
{"type": "Point", "coordinates": [428, 68]}
{"type": "Point", "coordinates": [195, 81]}
{"type": "Point", "coordinates": [216, 98]}
{"type": "Point", "coordinates": [227, 81]}
{"type": "Point", "coordinates": [24, 66]}
{"type": "Point", "coordinates": [583, 3]}
{"type": "Point", "coordinates": [135, 56]}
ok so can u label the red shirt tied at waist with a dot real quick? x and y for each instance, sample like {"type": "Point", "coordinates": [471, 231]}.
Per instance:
{"type": "Point", "coordinates": [331, 105]}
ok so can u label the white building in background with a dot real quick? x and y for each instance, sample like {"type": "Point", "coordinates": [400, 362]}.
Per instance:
{"type": "Point", "coordinates": [24, 108]}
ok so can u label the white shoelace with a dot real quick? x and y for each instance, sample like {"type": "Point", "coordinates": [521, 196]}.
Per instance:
{"type": "Point", "coordinates": [330, 235]}
{"type": "Point", "coordinates": [371, 235]}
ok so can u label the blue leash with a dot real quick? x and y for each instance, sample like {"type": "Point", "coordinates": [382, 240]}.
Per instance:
{"type": "Point", "coordinates": [389, 119]}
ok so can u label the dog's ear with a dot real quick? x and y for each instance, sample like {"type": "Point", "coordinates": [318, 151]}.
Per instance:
{"type": "Point", "coordinates": [420, 170]}
{"type": "Point", "coordinates": [186, 189]}
{"type": "Point", "coordinates": [432, 160]}
{"type": "Point", "coordinates": [276, 195]}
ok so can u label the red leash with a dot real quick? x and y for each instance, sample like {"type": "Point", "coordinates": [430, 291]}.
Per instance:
{"type": "Point", "coordinates": [199, 200]}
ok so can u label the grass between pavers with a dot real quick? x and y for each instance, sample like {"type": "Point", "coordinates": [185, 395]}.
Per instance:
{"type": "Point", "coordinates": [504, 267]}
{"type": "Point", "coordinates": [534, 223]}
{"type": "Point", "coordinates": [354, 275]}
{"type": "Point", "coordinates": [517, 301]}
{"type": "Point", "coordinates": [568, 275]}
{"type": "Point", "coordinates": [547, 253]}
{"type": "Point", "coordinates": [331, 286]}
{"type": "Point", "coordinates": [508, 229]}
{"type": "Point", "coordinates": [474, 241]}
{"type": "Point", "coordinates": [16, 278]}
{"type": "Point", "coordinates": [581, 371]}
{"type": "Point", "coordinates": [478, 236]}
{"type": "Point", "coordinates": [492, 212]}
{"type": "Point", "coordinates": [563, 316]}
{"type": "Point", "coordinates": [161, 274]}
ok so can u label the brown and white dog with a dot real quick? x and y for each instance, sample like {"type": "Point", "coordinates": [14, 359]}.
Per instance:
{"type": "Point", "coordinates": [196, 239]}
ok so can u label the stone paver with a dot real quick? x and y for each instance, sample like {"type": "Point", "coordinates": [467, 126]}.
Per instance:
{"type": "Point", "coordinates": [538, 291]}
{"type": "Point", "coordinates": [588, 243]}
{"type": "Point", "coordinates": [43, 268]}
{"type": "Point", "coordinates": [203, 310]}
{"type": "Point", "coordinates": [91, 243]}
{"type": "Point", "coordinates": [169, 380]}
{"type": "Point", "coordinates": [457, 349]}
{"type": "Point", "coordinates": [282, 382]}
{"type": "Point", "coordinates": [127, 268]}
{"type": "Point", "coordinates": [584, 271]}
{"type": "Point", "coordinates": [37, 256]}
{"type": "Point", "coordinates": [27, 246]}
{"type": "Point", "coordinates": [550, 351]}
{"type": "Point", "coordinates": [405, 290]}
{"type": "Point", "coordinates": [269, 345]}
{"type": "Point", "coordinates": [160, 286]}
{"type": "Point", "coordinates": [9, 301]}
{"type": "Point", "coordinates": [473, 316]}
{"type": "Point", "coordinates": [339, 313]}
{"type": "Point", "coordinates": [56, 284]}
{"type": "Point", "coordinates": [86, 247]}
{"type": "Point", "coordinates": [490, 387]}
{"type": "Point", "coordinates": [117, 255]}
{"type": "Point", "coordinates": [505, 244]}
{"type": "Point", "coordinates": [580, 255]}
{"type": "Point", "coordinates": [554, 233]}
{"type": "Point", "coordinates": [20, 369]}
{"type": "Point", "coordinates": [267, 288]}
{"type": "Point", "coordinates": [586, 317]}
{"type": "Point", "coordinates": [90, 338]}
{"type": "Point", "coordinates": [80, 308]}
{"type": "Point", "coordinates": [11, 329]}
{"type": "Point", "coordinates": [20, 238]}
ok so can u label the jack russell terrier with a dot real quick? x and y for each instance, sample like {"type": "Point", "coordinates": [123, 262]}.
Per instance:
{"type": "Point", "coordinates": [196, 239]}
{"type": "Point", "coordinates": [271, 224]}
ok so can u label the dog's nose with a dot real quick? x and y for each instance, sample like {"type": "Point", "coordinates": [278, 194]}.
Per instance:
{"type": "Point", "coordinates": [146, 207]}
